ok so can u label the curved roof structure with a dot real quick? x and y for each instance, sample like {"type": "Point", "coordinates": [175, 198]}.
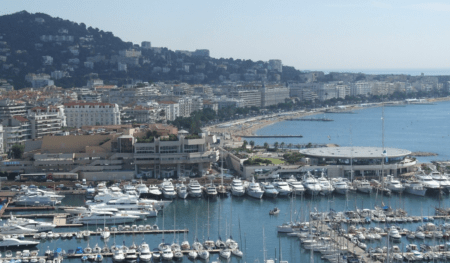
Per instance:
{"type": "Point", "coordinates": [354, 152]}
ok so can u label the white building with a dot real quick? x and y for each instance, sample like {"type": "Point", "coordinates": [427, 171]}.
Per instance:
{"type": "Point", "coordinates": [46, 121]}
{"type": "Point", "coordinates": [171, 109]}
{"type": "Point", "coordinates": [9, 108]}
{"type": "Point", "coordinates": [146, 45]}
{"type": "Point", "coordinates": [80, 114]}
{"type": "Point", "coordinates": [276, 64]}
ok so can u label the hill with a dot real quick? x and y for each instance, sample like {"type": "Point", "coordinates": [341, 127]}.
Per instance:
{"type": "Point", "coordinates": [38, 43]}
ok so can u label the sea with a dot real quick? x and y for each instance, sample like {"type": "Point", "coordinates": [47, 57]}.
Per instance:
{"type": "Point", "coordinates": [424, 128]}
{"type": "Point", "coordinates": [247, 220]}
{"type": "Point", "coordinates": [397, 71]}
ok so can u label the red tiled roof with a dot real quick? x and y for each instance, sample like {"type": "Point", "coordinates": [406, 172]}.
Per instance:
{"type": "Point", "coordinates": [70, 104]}
{"type": "Point", "coordinates": [20, 118]}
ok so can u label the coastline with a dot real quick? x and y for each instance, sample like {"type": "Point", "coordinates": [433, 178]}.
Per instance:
{"type": "Point", "coordinates": [249, 126]}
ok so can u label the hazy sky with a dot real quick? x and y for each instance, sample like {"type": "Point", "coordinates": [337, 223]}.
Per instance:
{"type": "Point", "coordinates": [305, 34]}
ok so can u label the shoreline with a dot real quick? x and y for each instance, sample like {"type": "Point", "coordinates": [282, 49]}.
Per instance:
{"type": "Point", "coordinates": [249, 126]}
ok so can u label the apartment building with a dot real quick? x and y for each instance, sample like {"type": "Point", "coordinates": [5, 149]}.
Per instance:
{"type": "Point", "coordinates": [276, 64]}
{"type": "Point", "coordinates": [273, 95]}
{"type": "Point", "coordinates": [46, 120]}
{"type": "Point", "coordinates": [17, 130]}
{"type": "Point", "coordinates": [80, 114]}
{"type": "Point", "coordinates": [189, 105]}
{"type": "Point", "coordinates": [9, 108]}
{"type": "Point", "coordinates": [249, 97]}
{"type": "Point", "coordinates": [171, 109]}
{"type": "Point", "coordinates": [142, 114]}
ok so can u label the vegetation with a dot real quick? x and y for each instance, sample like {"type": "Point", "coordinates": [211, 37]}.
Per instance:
{"type": "Point", "coordinates": [193, 136]}
{"type": "Point", "coordinates": [171, 137]}
{"type": "Point", "coordinates": [292, 157]}
{"type": "Point", "coordinates": [257, 161]}
{"type": "Point", "coordinates": [17, 151]}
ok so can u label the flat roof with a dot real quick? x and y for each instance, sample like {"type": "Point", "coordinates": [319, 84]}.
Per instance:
{"type": "Point", "coordinates": [354, 152]}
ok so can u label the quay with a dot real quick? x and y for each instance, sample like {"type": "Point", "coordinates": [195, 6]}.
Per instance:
{"type": "Point", "coordinates": [272, 136]}
{"type": "Point", "coordinates": [127, 232]}
{"type": "Point", "coordinates": [211, 251]}
{"type": "Point", "coordinates": [309, 119]}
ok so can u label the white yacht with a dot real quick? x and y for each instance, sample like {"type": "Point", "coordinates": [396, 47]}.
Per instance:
{"type": "Point", "coordinates": [394, 185]}
{"type": "Point", "coordinates": [363, 186]}
{"type": "Point", "coordinates": [130, 256]}
{"type": "Point", "coordinates": [182, 191]}
{"type": "Point", "coordinates": [103, 218]}
{"type": "Point", "coordinates": [327, 187]}
{"type": "Point", "coordinates": [340, 186]}
{"type": "Point", "coordinates": [427, 181]}
{"type": "Point", "coordinates": [443, 181]}
{"type": "Point", "coordinates": [394, 234]}
{"type": "Point", "coordinates": [311, 184]}
{"type": "Point", "coordinates": [51, 194]}
{"type": "Point", "coordinates": [118, 256]}
{"type": "Point", "coordinates": [194, 189]}
{"type": "Point", "coordinates": [297, 187]}
{"type": "Point", "coordinates": [129, 189]}
{"type": "Point", "coordinates": [269, 190]}
{"type": "Point", "coordinates": [144, 253]}
{"type": "Point", "coordinates": [141, 189]}
{"type": "Point", "coordinates": [237, 188]}
{"type": "Point", "coordinates": [153, 191]}
{"type": "Point", "coordinates": [16, 243]}
{"type": "Point", "coordinates": [210, 190]}
{"type": "Point", "coordinates": [37, 199]}
{"type": "Point", "coordinates": [30, 223]}
{"type": "Point", "coordinates": [125, 204]}
{"type": "Point", "coordinates": [254, 190]}
{"type": "Point", "coordinates": [168, 190]}
{"type": "Point", "coordinates": [282, 187]}
{"type": "Point", "coordinates": [15, 229]}
{"type": "Point", "coordinates": [415, 188]}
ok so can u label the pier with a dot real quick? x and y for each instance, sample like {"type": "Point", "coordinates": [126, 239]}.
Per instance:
{"type": "Point", "coordinates": [273, 136]}
{"type": "Point", "coordinates": [310, 119]}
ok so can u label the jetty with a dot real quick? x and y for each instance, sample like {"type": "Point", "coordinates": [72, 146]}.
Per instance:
{"type": "Point", "coordinates": [272, 136]}
{"type": "Point", "coordinates": [309, 119]}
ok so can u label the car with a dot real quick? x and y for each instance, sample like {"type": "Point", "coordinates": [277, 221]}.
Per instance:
{"type": "Point", "coordinates": [42, 187]}
{"type": "Point", "coordinates": [5, 188]}
{"type": "Point", "coordinates": [65, 188]}
{"type": "Point", "coordinates": [50, 186]}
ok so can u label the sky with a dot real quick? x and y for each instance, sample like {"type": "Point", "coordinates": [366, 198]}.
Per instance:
{"type": "Point", "coordinates": [309, 35]}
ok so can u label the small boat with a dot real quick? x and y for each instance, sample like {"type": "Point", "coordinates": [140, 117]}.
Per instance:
{"type": "Point", "coordinates": [274, 211]}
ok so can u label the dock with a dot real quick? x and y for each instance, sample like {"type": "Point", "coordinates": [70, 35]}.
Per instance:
{"type": "Point", "coordinates": [273, 136]}
{"type": "Point", "coordinates": [127, 232]}
{"type": "Point", "coordinates": [309, 119]}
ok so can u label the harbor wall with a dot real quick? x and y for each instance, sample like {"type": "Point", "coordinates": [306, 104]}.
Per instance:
{"type": "Point", "coordinates": [107, 176]}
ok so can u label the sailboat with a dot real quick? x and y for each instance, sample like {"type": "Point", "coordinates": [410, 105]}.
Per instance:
{"type": "Point", "coordinates": [221, 189]}
{"type": "Point", "coordinates": [165, 249]}
{"type": "Point", "coordinates": [209, 244]}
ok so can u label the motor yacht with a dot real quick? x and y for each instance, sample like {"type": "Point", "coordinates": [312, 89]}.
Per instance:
{"type": "Point", "coordinates": [311, 184]}
{"type": "Point", "coordinates": [126, 204]}
{"type": "Point", "coordinates": [129, 189]}
{"type": "Point", "coordinates": [15, 229]}
{"type": "Point", "coordinates": [443, 180]}
{"type": "Point", "coordinates": [51, 194]}
{"type": "Point", "coordinates": [37, 199]}
{"type": "Point", "coordinates": [327, 187]}
{"type": "Point", "coordinates": [237, 187]}
{"type": "Point", "coordinates": [182, 191]}
{"type": "Point", "coordinates": [394, 185]}
{"type": "Point", "coordinates": [103, 218]}
{"type": "Point", "coordinates": [394, 234]}
{"type": "Point", "coordinates": [363, 186]}
{"type": "Point", "coordinates": [432, 186]}
{"type": "Point", "coordinates": [141, 189]}
{"type": "Point", "coordinates": [165, 251]}
{"type": "Point", "coordinates": [154, 192]}
{"type": "Point", "coordinates": [30, 223]}
{"type": "Point", "coordinates": [168, 190]}
{"type": "Point", "coordinates": [16, 243]}
{"type": "Point", "coordinates": [282, 187]}
{"type": "Point", "coordinates": [210, 190]}
{"type": "Point", "coordinates": [194, 189]}
{"type": "Point", "coordinates": [297, 187]}
{"type": "Point", "coordinates": [254, 190]}
{"type": "Point", "coordinates": [340, 186]}
{"type": "Point", "coordinates": [269, 190]}
{"type": "Point", "coordinates": [130, 256]}
{"type": "Point", "coordinates": [415, 188]}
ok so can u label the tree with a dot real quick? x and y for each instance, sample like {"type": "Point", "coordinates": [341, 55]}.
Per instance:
{"type": "Point", "coordinates": [290, 145]}
{"type": "Point", "coordinates": [17, 151]}
{"type": "Point", "coordinates": [282, 145]}
{"type": "Point", "coordinates": [244, 144]}
{"type": "Point", "coordinates": [266, 145]}
{"type": "Point", "coordinates": [252, 143]}
{"type": "Point", "coordinates": [275, 145]}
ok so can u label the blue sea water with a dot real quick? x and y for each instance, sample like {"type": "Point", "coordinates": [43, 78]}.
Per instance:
{"type": "Point", "coordinates": [423, 128]}
{"type": "Point", "coordinates": [411, 71]}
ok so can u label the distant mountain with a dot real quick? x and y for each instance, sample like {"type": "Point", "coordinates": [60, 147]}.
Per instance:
{"type": "Point", "coordinates": [39, 43]}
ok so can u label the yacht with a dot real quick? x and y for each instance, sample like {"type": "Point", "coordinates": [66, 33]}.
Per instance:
{"type": "Point", "coordinates": [129, 189]}
{"type": "Point", "coordinates": [363, 186]}
{"type": "Point", "coordinates": [118, 255]}
{"type": "Point", "coordinates": [415, 188]}
{"type": "Point", "coordinates": [130, 256]}
{"type": "Point", "coordinates": [125, 204]}
{"type": "Point", "coordinates": [394, 234]}
{"type": "Point", "coordinates": [30, 223]}
{"type": "Point", "coordinates": [394, 185]}
{"type": "Point", "coordinates": [103, 218]}
{"type": "Point", "coordinates": [237, 188]}
{"type": "Point", "coordinates": [427, 181]}
{"type": "Point", "coordinates": [168, 190]}
{"type": "Point", "coordinates": [269, 190]}
{"type": "Point", "coordinates": [297, 187]}
{"type": "Point", "coordinates": [141, 189]}
{"type": "Point", "coordinates": [327, 187]}
{"type": "Point", "coordinates": [443, 181]}
{"type": "Point", "coordinates": [311, 184]}
{"type": "Point", "coordinates": [15, 229]}
{"type": "Point", "coordinates": [282, 187]}
{"type": "Point", "coordinates": [340, 186]}
{"type": "Point", "coordinates": [210, 190]}
{"type": "Point", "coordinates": [153, 191]}
{"type": "Point", "coordinates": [37, 199]}
{"type": "Point", "coordinates": [51, 194]}
{"type": "Point", "coordinates": [194, 189]}
{"type": "Point", "coordinates": [16, 243]}
{"type": "Point", "coordinates": [254, 190]}
{"type": "Point", "coordinates": [182, 191]}
{"type": "Point", "coordinates": [166, 252]}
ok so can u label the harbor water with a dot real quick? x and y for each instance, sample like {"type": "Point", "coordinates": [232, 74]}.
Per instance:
{"type": "Point", "coordinates": [246, 218]}
{"type": "Point", "coordinates": [423, 128]}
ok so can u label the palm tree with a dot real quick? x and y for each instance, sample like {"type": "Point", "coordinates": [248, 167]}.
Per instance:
{"type": "Point", "coordinates": [290, 145]}
{"type": "Point", "coordinates": [266, 145]}
{"type": "Point", "coordinates": [282, 145]}
{"type": "Point", "coordinates": [275, 145]}
{"type": "Point", "coordinates": [252, 143]}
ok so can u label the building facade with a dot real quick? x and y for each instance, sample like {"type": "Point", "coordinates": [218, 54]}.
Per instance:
{"type": "Point", "coordinates": [80, 114]}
